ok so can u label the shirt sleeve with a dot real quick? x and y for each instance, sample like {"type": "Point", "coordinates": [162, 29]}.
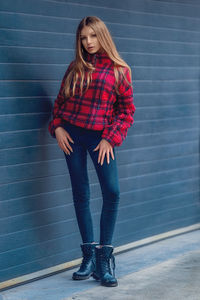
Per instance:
{"type": "Point", "coordinates": [56, 113]}
{"type": "Point", "coordinates": [123, 112]}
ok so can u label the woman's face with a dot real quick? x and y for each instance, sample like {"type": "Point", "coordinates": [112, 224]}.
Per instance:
{"type": "Point", "coordinates": [89, 40]}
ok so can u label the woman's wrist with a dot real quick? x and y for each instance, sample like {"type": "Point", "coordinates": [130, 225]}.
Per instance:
{"type": "Point", "coordinates": [58, 128]}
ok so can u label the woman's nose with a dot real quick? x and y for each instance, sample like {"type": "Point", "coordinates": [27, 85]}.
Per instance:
{"type": "Point", "coordinates": [88, 40]}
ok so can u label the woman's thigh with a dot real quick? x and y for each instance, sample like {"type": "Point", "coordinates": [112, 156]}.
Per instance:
{"type": "Point", "coordinates": [107, 172]}
{"type": "Point", "coordinates": [77, 163]}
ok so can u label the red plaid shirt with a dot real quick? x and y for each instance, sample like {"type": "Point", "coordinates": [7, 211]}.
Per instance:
{"type": "Point", "coordinates": [99, 108]}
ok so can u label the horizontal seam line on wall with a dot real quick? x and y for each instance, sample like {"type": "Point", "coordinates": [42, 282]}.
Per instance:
{"type": "Point", "coordinates": [195, 130]}
{"type": "Point", "coordinates": [121, 151]}
{"type": "Point", "coordinates": [92, 199]}
{"type": "Point", "coordinates": [165, 93]}
{"type": "Point", "coordinates": [71, 234]}
{"type": "Point", "coordinates": [110, 23]}
{"type": "Point", "coordinates": [132, 205]}
{"type": "Point", "coordinates": [166, 184]}
{"type": "Point", "coordinates": [168, 106]}
{"type": "Point", "coordinates": [125, 10]}
{"type": "Point", "coordinates": [55, 144]}
{"type": "Point", "coordinates": [133, 81]}
{"type": "Point", "coordinates": [159, 159]}
{"type": "Point", "coordinates": [159, 146]}
{"type": "Point", "coordinates": [160, 198]}
{"type": "Point", "coordinates": [163, 172]}
{"type": "Point", "coordinates": [161, 133]}
{"type": "Point", "coordinates": [166, 119]}
{"type": "Point", "coordinates": [136, 93]}
{"type": "Point", "coordinates": [177, 3]}
{"type": "Point", "coordinates": [157, 226]}
{"type": "Point", "coordinates": [95, 183]}
{"type": "Point", "coordinates": [132, 66]}
{"type": "Point", "coordinates": [114, 36]}
{"type": "Point", "coordinates": [92, 169]}
{"type": "Point", "coordinates": [38, 195]}
{"type": "Point", "coordinates": [120, 178]}
{"type": "Point", "coordinates": [37, 47]}
{"type": "Point", "coordinates": [141, 217]}
{"type": "Point", "coordinates": [30, 245]}
{"type": "Point", "coordinates": [70, 49]}
{"type": "Point", "coordinates": [138, 109]}
{"type": "Point", "coordinates": [132, 191]}
{"type": "Point", "coordinates": [97, 214]}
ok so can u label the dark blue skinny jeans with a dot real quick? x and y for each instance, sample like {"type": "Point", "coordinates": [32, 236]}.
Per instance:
{"type": "Point", "coordinates": [87, 140]}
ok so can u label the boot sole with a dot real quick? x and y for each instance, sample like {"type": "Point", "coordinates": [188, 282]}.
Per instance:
{"type": "Point", "coordinates": [81, 277]}
{"type": "Point", "coordinates": [109, 284]}
{"type": "Point", "coordinates": [102, 283]}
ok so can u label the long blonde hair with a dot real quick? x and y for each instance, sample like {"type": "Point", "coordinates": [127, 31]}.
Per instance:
{"type": "Point", "coordinates": [80, 65]}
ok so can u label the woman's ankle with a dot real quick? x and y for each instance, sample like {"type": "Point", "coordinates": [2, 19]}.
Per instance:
{"type": "Point", "coordinates": [100, 246]}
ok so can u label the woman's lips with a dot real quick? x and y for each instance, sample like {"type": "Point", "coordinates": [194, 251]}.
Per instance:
{"type": "Point", "coordinates": [90, 48]}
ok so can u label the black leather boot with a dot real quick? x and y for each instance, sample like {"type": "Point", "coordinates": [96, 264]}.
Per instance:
{"type": "Point", "coordinates": [88, 263]}
{"type": "Point", "coordinates": [103, 272]}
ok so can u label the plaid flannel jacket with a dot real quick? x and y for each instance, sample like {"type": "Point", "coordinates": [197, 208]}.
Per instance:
{"type": "Point", "coordinates": [99, 108]}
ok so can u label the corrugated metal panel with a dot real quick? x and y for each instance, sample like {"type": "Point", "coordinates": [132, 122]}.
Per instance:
{"type": "Point", "coordinates": [158, 162]}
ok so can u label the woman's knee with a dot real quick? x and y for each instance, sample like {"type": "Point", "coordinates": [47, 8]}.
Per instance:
{"type": "Point", "coordinates": [81, 191]}
{"type": "Point", "coordinates": [111, 192]}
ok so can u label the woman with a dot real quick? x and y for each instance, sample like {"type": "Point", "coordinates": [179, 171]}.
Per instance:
{"type": "Point", "coordinates": [92, 112]}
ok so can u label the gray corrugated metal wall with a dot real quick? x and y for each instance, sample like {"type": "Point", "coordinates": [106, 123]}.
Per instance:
{"type": "Point", "coordinates": [158, 162]}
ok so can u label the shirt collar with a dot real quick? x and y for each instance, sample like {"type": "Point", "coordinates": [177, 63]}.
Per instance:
{"type": "Point", "coordinates": [97, 58]}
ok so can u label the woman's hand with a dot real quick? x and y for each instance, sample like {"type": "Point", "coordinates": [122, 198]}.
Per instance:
{"type": "Point", "coordinates": [105, 148]}
{"type": "Point", "coordinates": [63, 139]}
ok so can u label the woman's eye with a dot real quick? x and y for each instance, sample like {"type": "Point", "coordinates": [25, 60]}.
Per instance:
{"type": "Point", "coordinates": [92, 35]}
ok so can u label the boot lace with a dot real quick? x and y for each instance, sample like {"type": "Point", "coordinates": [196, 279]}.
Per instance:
{"type": "Point", "coordinates": [109, 265]}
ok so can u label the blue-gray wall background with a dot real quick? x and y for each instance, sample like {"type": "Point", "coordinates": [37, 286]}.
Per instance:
{"type": "Point", "coordinates": [158, 162]}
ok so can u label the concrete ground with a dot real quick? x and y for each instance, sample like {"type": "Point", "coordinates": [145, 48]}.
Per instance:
{"type": "Point", "coordinates": [165, 270]}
